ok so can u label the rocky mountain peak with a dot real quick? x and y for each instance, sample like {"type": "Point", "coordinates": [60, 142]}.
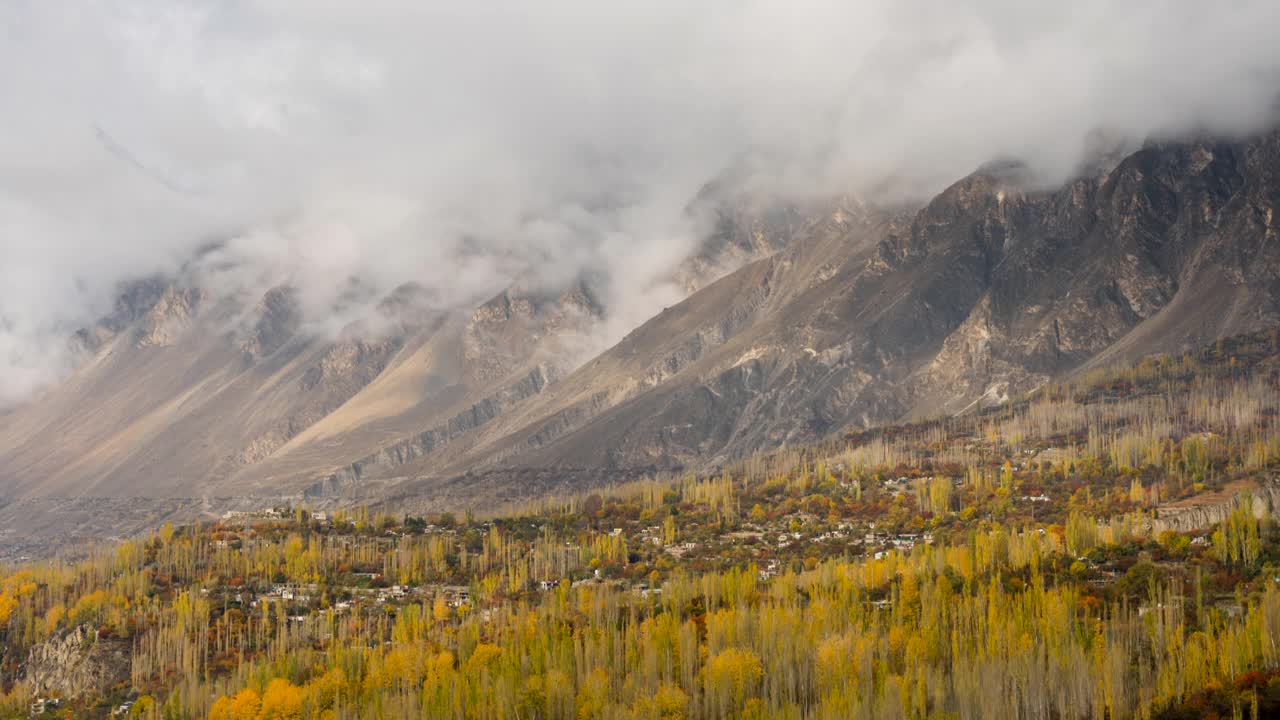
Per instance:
{"type": "Point", "coordinates": [277, 318]}
{"type": "Point", "coordinates": [169, 317]}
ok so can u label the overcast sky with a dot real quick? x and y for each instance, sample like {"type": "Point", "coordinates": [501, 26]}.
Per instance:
{"type": "Point", "coordinates": [460, 144]}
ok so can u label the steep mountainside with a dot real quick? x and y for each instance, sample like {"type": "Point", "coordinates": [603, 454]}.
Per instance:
{"type": "Point", "coordinates": [180, 391]}
{"type": "Point", "coordinates": [987, 292]}
{"type": "Point", "coordinates": [843, 316]}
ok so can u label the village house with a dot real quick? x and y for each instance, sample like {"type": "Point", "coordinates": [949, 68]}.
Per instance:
{"type": "Point", "coordinates": [768, 571]}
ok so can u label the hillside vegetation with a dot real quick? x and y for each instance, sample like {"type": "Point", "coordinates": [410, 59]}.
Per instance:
{"type": "Point", "coordinates": [1100, 548]}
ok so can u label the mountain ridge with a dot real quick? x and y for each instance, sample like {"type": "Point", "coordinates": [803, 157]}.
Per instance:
{"type": "Point", "coordinates": [838, 316]}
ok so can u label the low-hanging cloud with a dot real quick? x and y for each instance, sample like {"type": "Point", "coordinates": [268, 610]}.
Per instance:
{"type": "Point", "coordinates": [463, 145]}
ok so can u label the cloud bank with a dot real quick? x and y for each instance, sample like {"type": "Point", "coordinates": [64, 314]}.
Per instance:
{"type": "Point", "coordinates": [461, 145]}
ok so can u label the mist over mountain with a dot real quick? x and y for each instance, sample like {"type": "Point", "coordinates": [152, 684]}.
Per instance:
{"type": "Point", "coordinates": [764, 359]}
{"type": "Point", "coordinates": [345, 152]}
{"type": "Point", "coordinates": [453, 256]}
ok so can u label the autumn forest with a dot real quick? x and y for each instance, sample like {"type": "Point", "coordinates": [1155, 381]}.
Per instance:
{"type": "Point", "coordinates": [1102, 548]}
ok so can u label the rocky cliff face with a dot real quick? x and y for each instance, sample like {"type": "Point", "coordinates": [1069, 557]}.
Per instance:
{"type": "Point", "coordinates": [76, 664]}
{"type": "Point", "coordinates": [1206, 511]}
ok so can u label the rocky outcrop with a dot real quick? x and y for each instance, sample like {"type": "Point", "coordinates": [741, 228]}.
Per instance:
{"type": "Point", "coordinates": [1207, 510]}
{"type": "Point", "coordinates": [75, 664]}
{"type": "Point", "coordinates": [278, 318]}
{"type": "Point", "coordinates": [168, 318]}
{"type": "Point", "coordinates": [133, 300]}
{"type": "Point", "coordinates": [516, 327]}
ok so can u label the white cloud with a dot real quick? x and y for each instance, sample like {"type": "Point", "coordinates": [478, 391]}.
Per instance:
{"type": "Point", "coordinates": [459, 145]}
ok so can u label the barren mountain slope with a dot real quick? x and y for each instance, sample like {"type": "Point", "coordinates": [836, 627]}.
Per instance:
{"type": "Point", "coordinates": [988, 291]}
{"type": "Point", "coordinates": [175, 400]}
{"type": "Point", "coordinates": [857, 317]}
{"type": "Point", "coordinates": [181, 395]}
{"type": "Point", "coordinates": [482, 427]}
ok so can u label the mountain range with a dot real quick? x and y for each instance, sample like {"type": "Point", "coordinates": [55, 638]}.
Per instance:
{"type": "Point", "coordinates": [804, 321]}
